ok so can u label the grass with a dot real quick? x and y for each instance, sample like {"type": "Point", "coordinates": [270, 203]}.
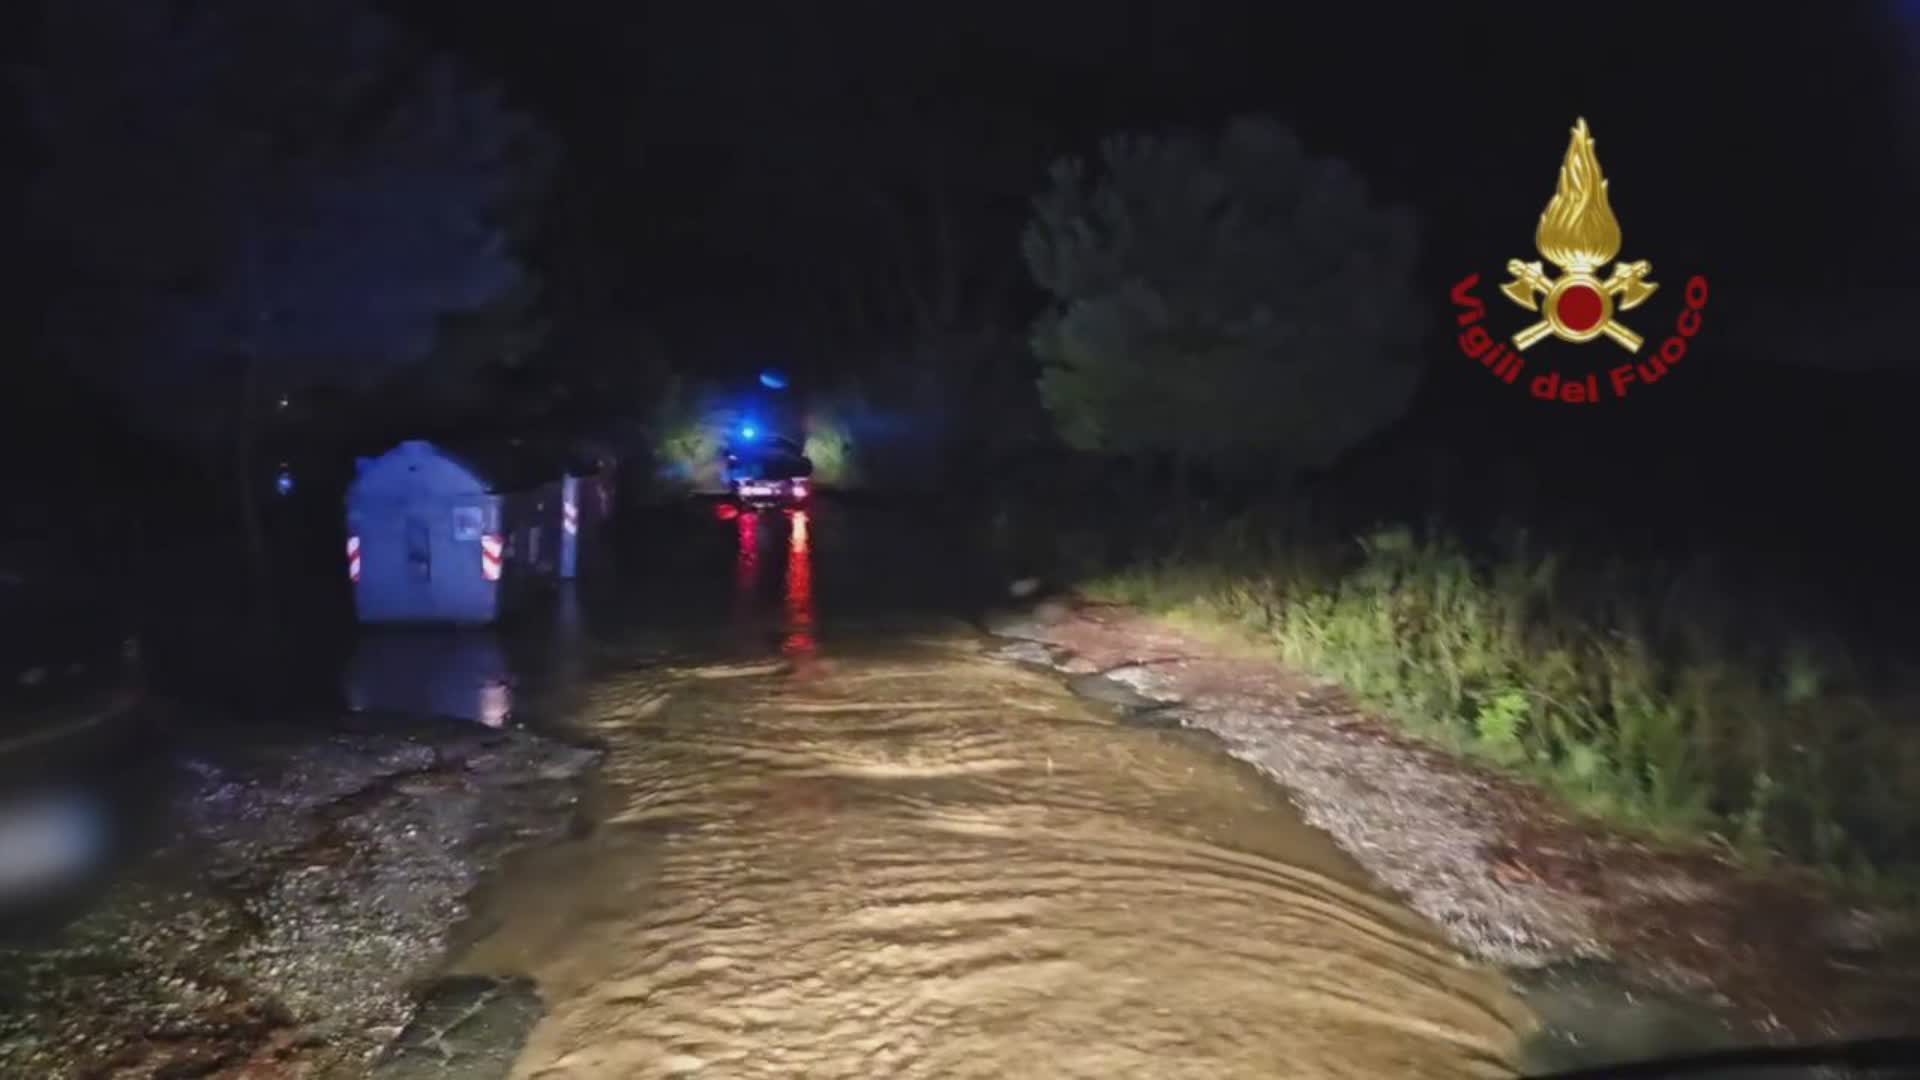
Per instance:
{"type": "Point", "coordinates": [1621, 688]}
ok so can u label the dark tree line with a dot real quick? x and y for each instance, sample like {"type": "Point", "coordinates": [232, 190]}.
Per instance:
{"type": "Point", "coordinates": [247, 213]}
{"type": "Point", "coordinates": [325, 201]}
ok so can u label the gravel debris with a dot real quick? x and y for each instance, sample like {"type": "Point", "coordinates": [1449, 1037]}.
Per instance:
{"type": "Point", "coordinates": [1510, 875]}
{"type": "Point", "coordinates": [311, 886]}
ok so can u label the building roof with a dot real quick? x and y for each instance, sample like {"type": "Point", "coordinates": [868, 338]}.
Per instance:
{"type": "Point", "coordinates": [494, 467]}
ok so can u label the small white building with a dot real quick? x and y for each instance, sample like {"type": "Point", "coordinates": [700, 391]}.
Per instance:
{"type": "Point", "coordinates": [436, 537]}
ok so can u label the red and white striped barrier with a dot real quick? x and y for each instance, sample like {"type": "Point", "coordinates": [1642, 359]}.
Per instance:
{"type": "Point", "coordinates": [570, 518]}
{"type": "Point", "coordinates": [491, 549]}
{"type": "Point", "coordinates": [353, 558]}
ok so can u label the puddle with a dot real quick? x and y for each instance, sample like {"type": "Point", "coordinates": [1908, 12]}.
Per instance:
{"type": "Point", "coordinates": [431, 671]}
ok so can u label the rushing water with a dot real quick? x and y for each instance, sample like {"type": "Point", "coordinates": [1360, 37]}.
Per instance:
{"type": "Point", "coordinates": [879, 853]}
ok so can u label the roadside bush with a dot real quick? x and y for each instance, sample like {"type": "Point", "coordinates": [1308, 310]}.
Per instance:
{"type": "Point", "coordinates": [1592, 680]}
{"type": "Point", "coordinates": [829, 446]}
{"type": "Point", "coordinates": [690, 432]}
{"type": "Point", "coordinates": [1220, 296]}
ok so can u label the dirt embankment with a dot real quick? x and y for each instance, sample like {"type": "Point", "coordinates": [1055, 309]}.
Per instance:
{"type": "Point", "coordinates": [1509, 873]}
{"type": "Point", "coordinates": [307, 888]}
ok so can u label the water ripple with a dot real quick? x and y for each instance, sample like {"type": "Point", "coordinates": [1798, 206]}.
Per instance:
{"type": "Point", "coordinates": [933, 866]}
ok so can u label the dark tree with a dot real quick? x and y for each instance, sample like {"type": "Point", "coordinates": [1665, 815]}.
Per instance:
{"type": "Point", "coordinates": [247, 201]}
{"type": "Point", "coordinates": [1219, 299]}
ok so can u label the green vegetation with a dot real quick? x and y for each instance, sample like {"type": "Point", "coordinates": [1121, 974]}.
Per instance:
{"type": "Point", "coordinates": [691, 451]}
{"type": "Point", "coordinates": [690, 427]}
{"type": "Point", "coordinates": [1220, 299]}
{"type": "Point", "coordinates": [832, 416]}
{"type": "Point", "coordinates": [1592, 680]}
{"type": "Point", "coordinates": [830, 449]}
{"type": "Point", "coordinates": [1234, 309]}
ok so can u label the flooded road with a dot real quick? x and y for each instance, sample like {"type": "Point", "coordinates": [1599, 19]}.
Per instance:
{"type": "Point", "coordinates": [835, 839]}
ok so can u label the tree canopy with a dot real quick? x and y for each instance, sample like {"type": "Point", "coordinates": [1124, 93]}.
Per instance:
{"type": "Point", "coordinates": [294, 185]}
{"type": "Point", "coordinates": [1219, 297]}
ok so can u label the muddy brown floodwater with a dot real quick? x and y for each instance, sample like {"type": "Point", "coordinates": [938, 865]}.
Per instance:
{"type": "Point", "coordinates": [897, 857]}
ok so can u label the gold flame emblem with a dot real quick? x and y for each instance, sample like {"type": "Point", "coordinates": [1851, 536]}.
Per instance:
{"type": "Point", "coordinates": [1579, 234]}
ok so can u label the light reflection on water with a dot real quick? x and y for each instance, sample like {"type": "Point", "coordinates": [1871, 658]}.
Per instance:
{"type": "Point", "coordinates": [431, 672]}
{"type": "Point", "coordinates": [797, 627]}
{"type": "Point", "coordinates": [799, 642]}
{"type": "Point", "coordinates": [746, 573]}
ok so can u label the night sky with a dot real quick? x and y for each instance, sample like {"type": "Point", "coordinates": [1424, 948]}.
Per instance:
{"type": "Point", "coordinates": [720, 156]}
{"type": "Point", "coordinates": [732, 173]}
{"type": "Point", "coordinates": [1769, 147]}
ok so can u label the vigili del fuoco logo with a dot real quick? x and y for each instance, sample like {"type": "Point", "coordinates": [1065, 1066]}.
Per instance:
{"type": "Point", "coordinates": [1579, 235]}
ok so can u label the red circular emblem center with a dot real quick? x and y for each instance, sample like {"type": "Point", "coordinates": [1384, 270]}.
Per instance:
{"type": "Point", "coordinates": [1579, 308]}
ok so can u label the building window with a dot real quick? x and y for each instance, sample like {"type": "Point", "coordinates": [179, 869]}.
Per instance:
{"type": "Point", "coordinates": [468, 522]}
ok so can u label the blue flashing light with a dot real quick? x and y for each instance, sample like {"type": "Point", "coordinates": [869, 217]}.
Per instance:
{"type": "Point", "coordinates": [284, 482]}
{"type": "Point", "coordinates": [749, 432]}
{"type": "Point", "coordinates": [773, 380]}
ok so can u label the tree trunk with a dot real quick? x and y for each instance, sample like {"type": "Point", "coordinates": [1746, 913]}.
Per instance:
{"type": "Point", "coordinates": [946, 251]}
{"type": "Point", "coordinates": [262, 623]}
{"type": "Point", "coordinates": [262, 617]}
{"type": "Point", "coordinates": [1174, 468]}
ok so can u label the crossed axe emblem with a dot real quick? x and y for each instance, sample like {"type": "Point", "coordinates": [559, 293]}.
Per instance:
{"type": "Point", "coordinates": [1578, 305]}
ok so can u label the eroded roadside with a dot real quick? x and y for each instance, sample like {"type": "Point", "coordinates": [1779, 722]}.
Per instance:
{"type": "Point", "coordinates": [1509, 874]}
{"type": "Point", "coordinates": [298, 920]}
{"type": "Point", "coordinates": [301, 900]}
